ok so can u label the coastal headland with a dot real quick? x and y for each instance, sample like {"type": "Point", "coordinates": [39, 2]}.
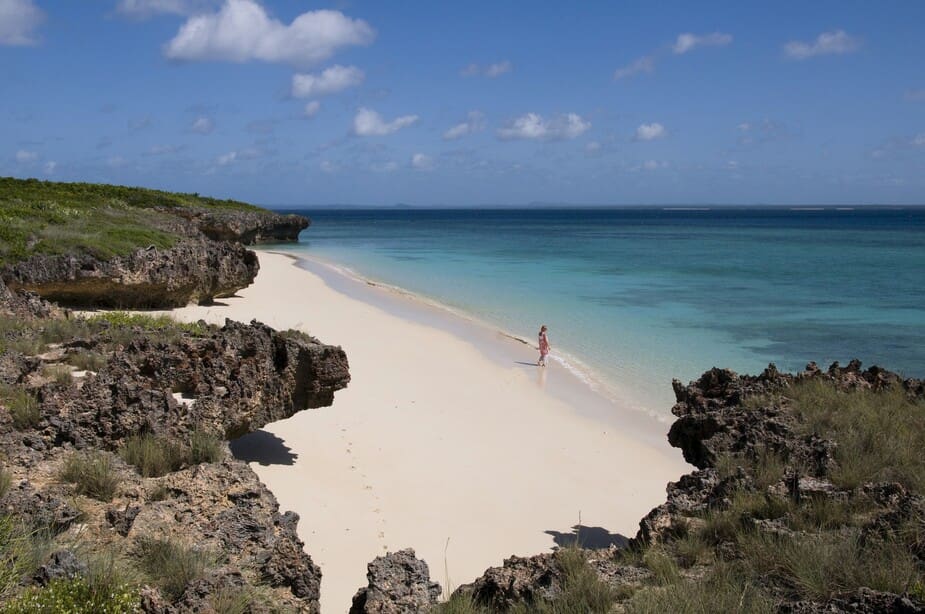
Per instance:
{"type": "Point", "coordinates": [144, 456]}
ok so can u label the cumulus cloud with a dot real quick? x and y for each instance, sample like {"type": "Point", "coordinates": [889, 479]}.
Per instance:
{"type": "Point", "coordinates": [475, 122]}
{"type": "Point", "coordinates": [18, 21]}
{"type": "Point", "coordinates": [50, 167]}
{"type": "Point", "coordinates": [650, 132]}
{"type": "Point", "coordinates": [329, 81]}
{"type": "Point", "coordinates": [688, 42]}
{"type": "Point", "coordinates": [142, 9]}
{"type": "Point", "coordinates": [25, 157]}
{"type": "Point", "coordinates": [827, 43]}
{"type": "Point", "coordinates": [369, 123]}
{"type": "Point", "coordinates": [534, 126]}
{"type": "Point", "coordinates": [421, 162]}
{"type": "Point", "coordinates": [490, 70]}
{"type": "Point", "coordinates": [202, 125]}
{"type": "Point", "coordinates": [311, 108]}
{"type": "Point", "coordinates": [242, 31]}
{"type": "Point", "coordinates": [643, 64]}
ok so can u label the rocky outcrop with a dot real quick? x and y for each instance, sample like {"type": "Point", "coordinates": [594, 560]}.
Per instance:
{"type": "Point", "coordinates": [729, 426]}
{"type": "Point", "coordinates": [190, 271]}
{"type": "Point", "coordinates": [399, 583]}
{"type": "Point", "coordinates": [169, 382]}
{"type": "Point", "coordinates": [229, 381]}
{"type": "Point", "coordinates": [247, 227]}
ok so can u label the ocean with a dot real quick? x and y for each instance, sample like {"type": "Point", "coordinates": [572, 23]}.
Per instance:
{"type": "Point", "coordinates": [634, 297]}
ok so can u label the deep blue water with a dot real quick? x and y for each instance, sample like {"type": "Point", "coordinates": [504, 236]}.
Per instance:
{"type": "Point", "coordinates": [635, 297]}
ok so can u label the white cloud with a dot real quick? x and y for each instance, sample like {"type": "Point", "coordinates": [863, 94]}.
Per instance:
{"type": "Point", "coordinates": [236, 156]}
{"type": "Point", "coordinates": [688, 42]}
{"type": "Point", "coordinates": [369, 123]}
{"type": "Point", "coordinates": [142, 9]}
{"type": "Point", "coordinates": [491, 70]}
{"type": "Point", "coordinates": [242, 31]}
{"type": "Point", "coordinates": [643, 64]}
{"type": "Point", "coordinates": [18, 21]}
{"type": "Point", "coordinates": [744, 127]}
{"type": "Point", "coordinates": [593, 147]}
{"type": "Point", "coordinates": [331, 80]}
{"type": "Point", "coordinates": [534, 126]}
{"type": "Point", "coordinates": [827, 43]}
{"type": "Point", "coordinates": [919, 140]}
{"type": "Point", "coordinates": [498, 69]}
{"type": "Point", "coordinates": [116, 162]}
{"type": "Point", "coordinates": [311, 108]}
{"type": "Point", "coordinates": [475, 122]}
{"type": "Point", "coordinates": [202, 125]}
{"type": "Point", "coordinates": [25, 157]}
{"type": "Point", "coordinates": [650, 132]}
{"type": "Point", "coordinates": [421, 162]}
{"type": "Point", "coordinates": [653, 165]}
{"type": "Point", "coordinates": [50, 167]}
{"type": "Point", "coordinates": [327, 166]}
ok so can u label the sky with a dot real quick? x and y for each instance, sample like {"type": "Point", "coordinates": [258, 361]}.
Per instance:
{"type": "Point", "coordinates": [290, 102]}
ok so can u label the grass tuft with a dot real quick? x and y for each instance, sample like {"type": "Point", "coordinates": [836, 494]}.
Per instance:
{"type": "Point", "coordinates": [23, 407]}
{"type": "Point", "coordinates": [92, 473]}
{"type": "Point", "coordinates": [172, 565]}
{"type": "Point", "coordinates": [155, 456]}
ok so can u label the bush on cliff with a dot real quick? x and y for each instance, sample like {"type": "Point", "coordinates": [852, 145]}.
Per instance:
{"type": "Point", "coordinates": [74, 596]}
{"type": "Point", "coordinates": [23, 407]}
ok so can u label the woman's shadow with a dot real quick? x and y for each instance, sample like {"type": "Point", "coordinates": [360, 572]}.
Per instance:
{"type": "Point", "coordinates": [593, 538]}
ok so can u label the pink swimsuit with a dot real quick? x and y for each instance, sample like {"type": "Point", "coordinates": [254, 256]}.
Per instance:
{"type": "Point", "coordinates": [544, 345]}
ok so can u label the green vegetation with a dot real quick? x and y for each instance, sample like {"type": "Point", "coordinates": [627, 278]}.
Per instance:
{"type": "Point", "coordinates": [155, 456]}
{"type": "Point", "coordinates": [233, 600]}
{"type": "Point", "coordinates": [172, 565]}
{"type": "Point", "coordinates": [880, 435]}
{"type": "Point", "coordinates": [162, 324]}
{"type": "Point", "coordinates": [87, 360]}
{"type": "Point", "coordinates": [6, 480]}
{"type": "Point", "coordinates": [76, 596]}
{"type": "Point", "coordinates": [23, 407]}
{"type": "Point", "coordinates": [725, 589]}
{"type": "Point", "coordinates": [92, 473]}
{"type": "Point", "coordinates": [43, 217]}
{"type": "Point", "coordinates": [22, 549]}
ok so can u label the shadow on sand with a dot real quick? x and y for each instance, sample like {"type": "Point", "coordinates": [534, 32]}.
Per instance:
{"type": "Point", "coordinates": [594, 538]}
{"type": "Point", "coordinates": [262, 447]}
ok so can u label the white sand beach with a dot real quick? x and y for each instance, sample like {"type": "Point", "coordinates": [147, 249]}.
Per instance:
{"type": "Point", "coordinates": [447, 440]}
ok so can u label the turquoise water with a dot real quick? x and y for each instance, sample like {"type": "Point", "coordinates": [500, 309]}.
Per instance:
{"type": "Point", "coordinates": [636, 297]}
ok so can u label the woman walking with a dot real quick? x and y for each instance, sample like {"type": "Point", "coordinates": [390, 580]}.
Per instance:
{"type": "Point", "coordinates": [544, 347]}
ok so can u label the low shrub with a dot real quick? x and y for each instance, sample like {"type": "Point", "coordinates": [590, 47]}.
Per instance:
{"type": "Point", "coordinates": [232, 600]}
{"type": "Point", "coordinates": [87, 361]}
{"type": "Point", "coordinates": [23, 407]}
{"type": "Point", "coordinates": [155, 456]}
{"type": "Point", "coordinates": [171, 565]}
{"type": "Point", "coordinates": [75, 596]}
{"type": "Point", "coordinates": [726, 589]}
{"type": "Point", "coordinates": [205, 448]}
{"type": "Point", "coordinates": [22, 550]}
{"type": "Point", "coordinates": [6, 480]}
{"type": "Point", "coordinates": [92, 473]}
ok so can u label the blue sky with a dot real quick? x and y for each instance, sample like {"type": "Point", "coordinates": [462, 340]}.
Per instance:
{"type": "Point", "coordinates": [438, 103]}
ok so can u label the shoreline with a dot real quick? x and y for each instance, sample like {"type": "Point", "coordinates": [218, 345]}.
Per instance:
{"type": "Point", "coordinates": [444, 441]}
{"type": "Point", "coordinates": [407, 303]}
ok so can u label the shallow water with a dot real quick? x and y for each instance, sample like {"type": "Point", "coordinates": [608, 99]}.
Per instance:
{"type": "Point", "coordinates": [636, 297]}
